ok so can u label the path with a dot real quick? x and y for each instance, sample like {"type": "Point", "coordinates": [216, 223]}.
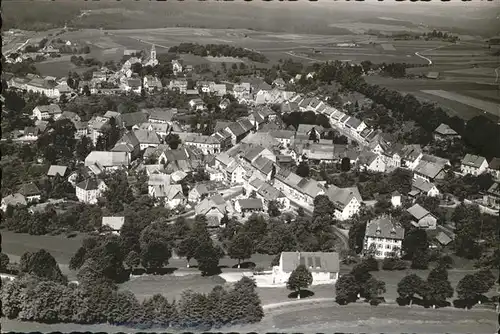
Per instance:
{"type": "Point", "coordinates": [142, 41]}
{"type": "Point", "coordinates": [290, 53]}
{"type": "Point", "coordinates": [432, 49]}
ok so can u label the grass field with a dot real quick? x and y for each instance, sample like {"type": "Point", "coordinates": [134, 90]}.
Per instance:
{"type": "Point", "coordinates": [485, 106]}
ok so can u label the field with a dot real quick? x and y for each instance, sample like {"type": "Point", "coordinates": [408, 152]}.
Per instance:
{"type": "Point", "coordinates": [488, 107]}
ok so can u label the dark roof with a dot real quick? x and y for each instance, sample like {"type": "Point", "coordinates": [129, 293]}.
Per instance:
{"type": "Point", "coordinates": [133, 118]}
{"type": "Point", "coordinates": [250, 203]}
{"type": "Point", "coordinates": [236, 129]}
{"type": "Point", "coordinates": [384, 227]}
{"type": "Point", "coordinates": [88, 184]}
{"type": "Point", "coordinates": [494, 164]}
{"type": "Point", "coordinates": [29, 189]}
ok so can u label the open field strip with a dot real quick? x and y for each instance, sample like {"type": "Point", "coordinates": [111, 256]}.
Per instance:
{"type": "Point", "coordinates": [489, 107]}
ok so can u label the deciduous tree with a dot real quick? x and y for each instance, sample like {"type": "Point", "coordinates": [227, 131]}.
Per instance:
{"type": "Point", "coordinates": [299, 279]}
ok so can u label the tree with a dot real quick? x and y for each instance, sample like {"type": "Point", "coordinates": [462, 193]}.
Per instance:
{"type": "Point", "coordinates": [346, 289]}
{"type": "Point", "coordinates": [208, 256]}
{"type": "Point", "coordinates": [273, 208]}
{"type": "Point", "coordinates": [248, 308]}
{"type": "Point", "coordinates": [439, 286]}
{"type": "Point", "coordinates": [83, 147]}
{"type": "Point", "coordinates": [173, 141]}
{"type": "Point", "coordinates": [133, 259]}
{"type": "Point", "coordinates": [300, 278]}
{"type": "Point", "coordinates": [409, 286]}
{"type": "Point", "coordinates": [158, 311]}
{"type": "Point", "coordinates": [372, 289]}
{"type": "Point", "coordinates": [345, 165]}
{"type": "Point", "coordinates": [303, 169]}
{"type": "Point", "coordinates": [188, 247]}
{"type": "Point", "coordinates": [240, 247]}
{"type": "Point", "coordinates": [4, 262]}
{"type": "Point", "coordinates": [41, 264]}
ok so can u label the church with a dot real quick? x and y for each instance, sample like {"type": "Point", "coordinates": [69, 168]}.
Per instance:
{"type": "Point", "coordinates": [149, 61]}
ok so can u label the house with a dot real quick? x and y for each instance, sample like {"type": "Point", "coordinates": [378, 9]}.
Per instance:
{"type": "Point", "coordinates": [208, 144]}
{"type": "Point", "coordinates": [492, 196]}
{"type": "Point", "coordinates": [473, 164]}
{"type": "Point", "coordinates": [443, 239]}
{"type": "Point", "coordinates": [180, 85]}
{"type": "Point", "coordinates": [31, 133]}
{"type": "Point", "coordinates": [13, 200]}
{"type": "Point", "coordinates": [171, 195]}
{"type": "Point", "coordinates": [108, 160]}
{"type": "Point", "coordinates": [411, 156]}
{"type": "Point", "coordinates": [128, 144]}
{"type": "Point", "coordinates": [421, 186]}
{"type": "Point", "coordinates": [429, 171]}
{"type": "Point", "coordinates": [133, 85]}
{"type": "Point", "coordinates": [146, 138]}
{"type": "Point", "coordinates": [249, 205]}
{"type": "Point", "coordinates": [157, 182]}
{"type": "Point", "coordinates": [112, 224]}
{"type": "Point", "coordinates": [133, 119]}
{"type": "Point", "coordinates": [279, 83]}
{"type": "Point", "coordinates": [57, 170]}
{"type": "Point", "coordinates": [422, 218]}
{"type": "Point", "coordinates": [369, 161]}
{"type": "Point", "coordinates": [198, 192]}
{"type": "Point", "coordinates": [161, 129]}
{"type": "Point", "coordinates": [355, 124]}
{"type": "Point", "coordinates": [176, 67]}
{"type": "Point", "coordinates": [152, 83]}
{"type": "Point", "coordinates": [48, 111]}
{"type": "Point", "coordinates": [297, 188]}
{"type": "Point", "coordinates": [444, 132]}
{"type": "Point", "coordinates": [494, 168]}
{"type": "Point", "coordinates": [213, 208]}
{"type": "Point", "coordinates": [346, 201]}
{"type": "Point", "coordinates": [396, 199]}
{"type": "Point", "coordinates": [268, 193]}
{"type": "Point", "coordinates": [385, 235]}
{"type": "Point", "coordinates": [30, 191]}
{"type": "Point", "coordinates": [197, 104]}
{"type": "Point", "coordinates": [90, 190]}
{"type": "Point", "coordinates": [323, 266]}
{"type": "Point", "coordinates": [42, 86]}
{"type": "Point", "coordinates": [239, 130]}
{"type": "Point", "coordinates": [306, 130]}
{"type": "Point", "coordinates": [285, 137]}
{"type": "Point", "coordinates": [224, 104]}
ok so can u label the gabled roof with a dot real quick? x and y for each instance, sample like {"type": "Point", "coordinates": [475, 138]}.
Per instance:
{"type": "Point", "coordinates": [29, 189]}
{"type": "Point", "coordinates": [129, 138]}
{"type": "Point", "coordinates": [224, 158]}
{"type": "Point", "coordinates": [384, 227]}
{"type": "Point", "coordinates": [51, 109]}
{"type": "Point", "coordinates": [341, 197]}
{"type": "Point", "coordinates": [445, 130]}
{"type": "Point", "coordinates": [264, 139]}
{"type": "Point", "coordinates": [422, 185]}
{"type": "Point", "coordinates": [473, 160]}
{"type": "Point", "coordinates": [495, 164]}
{"type": "Point", "coordinates": [443, 238]}
{"type": "Point", "coordinates": [133, 118]}
{"type": "Point", "coordinates": [107, 159]}
{"type": "Point", "coordinates": [250, 203]}
{"type": "Point", "coordinates": [157, 179]}
{"type": "Point", "coordinates": [246, 124]}
{"type": "Point", "coordinates": [115, 223]}
{"type": "Point", "coordinates": [367, 158]}
{"type": "Point", "coordinates": [54, 170]}
{"type": "Point", "coordinates": [268, 192]}
{"type": "Point", "coordinates": [214, 202]}
{"type": "Point", "coordinates": [236, 129]}
{"type": "Point", "coordinates": [428, 169]}
{"type": "Point", "coordinates": [306, 128]}
{"type": "Point", "coordinates": [263, 164]}
{"type": "Point", "coordinates": [162, 114]}
{"type": "Point", "coordinates": [436, 160]}
{"type": "Point", "coordinates": [89, 184]}
{"type": "Point", "coordinates": [418, 212]}
{"type": "Point", "coordinates": [14, 199]}
{"type": "Point", "coordinates": [147, 137]}
{"type": "Point", "coordinates": [314, 261]}
{"type": "Point", "coordinates": [353, 122]}
{"type": "Point", "coordinates": [282, 134]}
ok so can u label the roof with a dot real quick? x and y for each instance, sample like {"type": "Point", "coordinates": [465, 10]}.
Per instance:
{"type": "Point", "coordinates": [263, 164]}
{"type": "Point", "coordinates": [418, 212]}
{"type": "Point", "coordinates": [107, 159]}
{"type": "Point", "coordinates": [157, 179]}
{"type": "Point", "coordinates": [89, 184]}
{"type": "Point", "coordinates": [443, 238]}
{"type": "Point", "coordinates": [51, 109]}
{"type": "Point", "coordinates": [115, 223]}
{"type": "Point", "coordinates": [494, 164]}
{"type": "Point", "coordinates": [54, 170]}
{"type": "Point", "coordinates": [432, 75]}
{"type": "Point", "coordinates": [436, 160]}
{"type": "Point", "coordinates": [133, 118]}
{"type": "Point", "coordinates": [29, 189]}
{"type": "Point", "coordinates": [353, 122]}
{"type": "Point", "coordinates": [268, 192]}
{"type": "Point", "coordinates": [494, 189]}
{"type": "Point", "coordinates": [264, 139]}
{"type": "Point", "coordinates": [428, 169]}
{"type": "Point", "coordinates": [250, 203]}
{"type": "Point", "coordinates": [14, 199]}
{"type": "Point", "coordinates": [367, 158]}
{"type": "Point", "coordinates": [315, 261]}
{"type": "Point", "coordinates": [162, 114]}
{"type": "Point", "coordinates": [384, 227]}
{"type": "Point", "coordinates": [306, 128]}
{"type": "Point", "coordinates": [341, 197]}
{"type": "Point", "coordinates": [422, 185]}
{"type": "Point", "coordinates": [214, 202]}
{"type": "Point", "coordinates": [282, 134]}
{"type": "Point", "coordinates": [236, 129]}
{"type": "Point", "coordinates": [147, 137]}
{"type": "Point", "coordinates": [473, 160]}
{"type": "Point", "coordinates": [445, 130]}
{"type": "Point", "coordinates": [224, 158]}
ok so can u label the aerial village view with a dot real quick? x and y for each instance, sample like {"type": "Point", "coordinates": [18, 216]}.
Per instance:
{"type": "Point", "coordinates": [242, 167]}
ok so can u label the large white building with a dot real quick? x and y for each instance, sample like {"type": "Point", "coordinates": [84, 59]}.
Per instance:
{"type": "Point", "coordinates": [90, 190]}
{"type": "Point", "coordinates": [386, 236]}
{"type": "Point", "coordinates": [346, 201]}
{"type": "Point", "coordinates": [473, 164]}
{"type": "Point", "coordinates": [46, 112]}
{"type": "Point", "coordinates": [324, 267]}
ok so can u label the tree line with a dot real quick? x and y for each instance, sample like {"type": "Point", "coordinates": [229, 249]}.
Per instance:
{"type": "Point", "coordinates": [218, 50]}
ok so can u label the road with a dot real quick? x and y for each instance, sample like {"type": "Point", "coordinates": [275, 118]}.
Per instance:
{"type": "Point", "coordinates": [8, 52]}
{"type": "Point", "coordinates": [426, 58]}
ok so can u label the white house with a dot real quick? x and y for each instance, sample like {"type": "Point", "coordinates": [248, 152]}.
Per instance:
{"type": "Point", "coordinates": [372, 162]}
{"type": "Point", "coordinates": [113, 224]}
{"type": "Point", "coordinates": [213, 208]}
{"type": "Point", "coordinates": [421, 186]}
{"type": "Point", "coordinates": [396, 199]}
{"type": "Point", "coordinates": [176, 67]}
{"type": "Point", "coordinates": [90, 190]}
{"type": "Point", "coordinates": [108, 160]}
{"type": "Point", "coordinates": [47, 111]}
{"type": "Point", "coordinates": [473, 164]}
{"type": "Point", "coordinates": [297, 188]}
{"type": "Point", "coordinates": [13, 200]}
{"type": "Point", "coordinates": [31, 192]}
{"type": "Point", "coordinates": [386, 236]}
{"type": "Point", "coordinates": [346, 201]}
{"type": "Point", "coordinates": [324, 266]}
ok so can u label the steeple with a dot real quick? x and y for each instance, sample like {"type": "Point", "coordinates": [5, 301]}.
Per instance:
{"type": "Point", "coordinates": [153, 53]}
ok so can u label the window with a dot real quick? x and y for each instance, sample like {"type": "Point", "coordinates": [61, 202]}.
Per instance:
{"type": "Point", "coordinates": [317, 262]}
{"type": "Point", "coordinates": [302, 261]}
{"type": "Point", "coordinates": [310, 263]}
{"type": "Point", "coordinates": [388, 246]}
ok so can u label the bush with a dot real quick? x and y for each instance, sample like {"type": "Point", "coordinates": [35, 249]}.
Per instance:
{"type": "Point", "coordinates": [375, 301]}
{"type": "Point", "coordinates": [393, 264]}
{"type": "Point", "coordinates": [370, 263]}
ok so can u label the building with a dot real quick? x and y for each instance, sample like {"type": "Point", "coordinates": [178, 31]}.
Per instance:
{"type": "Point", "coordinates": [346, 201]}
{"type": "Point", "coordinates": [492, 196]}
{"type": "Point", "coordinates": [249, 205]}
{"type": "Point", "coordinates": [176, 67]}
{"type": "Point", "coordinates": [372, 162]}
{"type": "Point", "coordinates": [494, 168]}
{"type": "Point", "coordinates": [152, 83]}
{"type": "Point", "coordinates": [13, 200]}
{"type": "Point", "coordinates": [213, 208]}
{"type": "Point", "coordinates": [422, 218]}
{"type": "Point", "coordinates": [429, 171]}
{"type": "Point", "coordinates": [90, 190]}
{"type": "Point", "coordinates": [208, 144]}
{"type": "Point", "coordinates": [324, 267]}
{"type": "Point", "coordinates": [147, 139]}
{"type": "Point", "coordinates": [423, 187]}
{"type": "Point", "coordinates": [298, 189]}
{"type": "Point", "coordinates": [46, 112]}
{"type": "Point", "coordinates": [180, 85]}
{"type": "Point", "coordinates": [112, 224]}
{"type": "Point", "coordinates": [384, 237]}
{"type": "Point", "coordinates": [31, 192]}
{"type": "Point", "coordinates": [267, 193]}
{"type": "Point", "coordinates": [57, 170]}
{"type": "Point", "coordinates": [473, 164]}
{"type": "Point", "coordinates": [108, 160]}
{"type": "Point", "coordinates": [171, 195]}
{"type": "Point", "coordinates": [444, 132]}
{"type": "Point", "coordinates": [198, 192]}
{"type": "Point", "coordinates": [285, 137]}
{"type": "Point", "coordinates": [396, 199]}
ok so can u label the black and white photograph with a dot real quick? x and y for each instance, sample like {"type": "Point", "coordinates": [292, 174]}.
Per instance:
{"type": "Point", "coordinates": [250, 166]}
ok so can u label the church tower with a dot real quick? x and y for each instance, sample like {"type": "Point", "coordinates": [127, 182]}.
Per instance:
{"type": "Point", "coordinates": [153, 54]}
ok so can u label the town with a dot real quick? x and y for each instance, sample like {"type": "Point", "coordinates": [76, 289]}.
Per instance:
{"type": "Point", "coordinates": [151, 160]}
